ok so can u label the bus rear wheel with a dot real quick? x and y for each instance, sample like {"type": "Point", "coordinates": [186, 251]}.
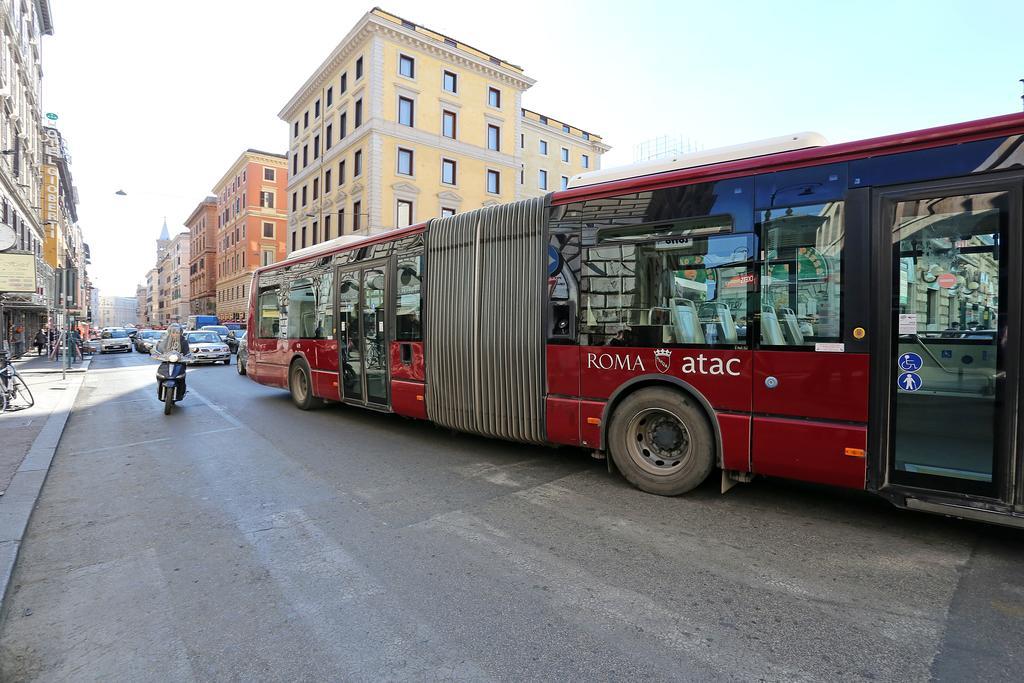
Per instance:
{"type": "Point", "coordinates": [661, 441]}
{"type": "Point", "coordinates": [300, 386]}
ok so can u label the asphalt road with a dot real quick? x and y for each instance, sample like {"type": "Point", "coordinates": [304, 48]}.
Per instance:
{"type": "Point", "coordinates": [242, 539]}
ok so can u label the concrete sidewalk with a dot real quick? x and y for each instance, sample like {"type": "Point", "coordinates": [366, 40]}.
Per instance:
{"type": "Point", "coordinates": [29, 438]}
{"type": "Point", "coordinates": [30, 363]}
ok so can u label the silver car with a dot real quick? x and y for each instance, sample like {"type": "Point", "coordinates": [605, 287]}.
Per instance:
{"type": "Point", "coordinates": [205, 346]}
{"type": "Point", "coordinates": [115, 339]}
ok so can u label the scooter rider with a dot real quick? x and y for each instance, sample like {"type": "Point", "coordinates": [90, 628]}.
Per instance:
{"type": "Point", "coordinates": [174, 342]}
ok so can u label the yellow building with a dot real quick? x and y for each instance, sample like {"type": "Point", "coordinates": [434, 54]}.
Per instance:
{"type": "Point", "coordinates": [401, 124]}
{"type": "Point", "coordinates": [553, 151]}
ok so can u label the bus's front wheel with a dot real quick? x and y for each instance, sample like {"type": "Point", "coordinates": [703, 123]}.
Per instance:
{"type": "Point", "coordinates": [300, 386]}
{"type": "Point", "coordinates": [661, 441]}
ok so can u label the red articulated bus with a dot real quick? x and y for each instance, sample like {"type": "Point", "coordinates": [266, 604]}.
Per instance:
{"type": "Point", "coordinates": [844, 314]}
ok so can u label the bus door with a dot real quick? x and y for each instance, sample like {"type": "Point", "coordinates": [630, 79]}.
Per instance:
{"type": "Point", "coordinates": [946, 377]}
{"type": "Point", "coordinates": [363, 334]}
{"type": "Point", "coordinates": [811, 361]}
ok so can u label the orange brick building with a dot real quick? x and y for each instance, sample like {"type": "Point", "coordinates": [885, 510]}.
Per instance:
{"type": "Point", "coordinates": [252, 224]}
{"type": "Point", "coordinates": [202, 271]}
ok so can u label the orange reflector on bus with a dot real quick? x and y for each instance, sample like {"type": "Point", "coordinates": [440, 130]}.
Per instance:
{"type": "Point", "coordinates": [593, 420]}
{"type": "Point", "coordinates": [419, 397]}
{"type": "Point", "coordinates": [855, 452]}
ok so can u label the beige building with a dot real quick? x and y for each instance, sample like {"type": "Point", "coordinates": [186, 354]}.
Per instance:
{"type": "Point", "coordinates": [401, 124]}
{"type": "Point", "coordinates": [173, 281]}
{"type": "Point", "coordinates": [554, 151]}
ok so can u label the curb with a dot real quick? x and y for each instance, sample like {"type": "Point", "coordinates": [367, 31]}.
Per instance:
{"type": "Point", "coordinates": [20, 499]}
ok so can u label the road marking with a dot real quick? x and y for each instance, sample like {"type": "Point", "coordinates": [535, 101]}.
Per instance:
{"type": "Point", "coordinates": [228, 417]}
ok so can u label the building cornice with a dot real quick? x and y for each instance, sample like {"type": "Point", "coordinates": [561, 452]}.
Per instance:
{"type": "Point", "coordinates": [209, 202]}
{"type": "Point", "coordinates": [244, 159]}
{"type": "Point", "coordinates": [371, 23]}
{"type": "Point", "coordinates": [552, 132]}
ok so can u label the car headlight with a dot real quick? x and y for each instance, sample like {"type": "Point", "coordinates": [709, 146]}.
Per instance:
{"type": "Point", "coordinates": [173, 358]}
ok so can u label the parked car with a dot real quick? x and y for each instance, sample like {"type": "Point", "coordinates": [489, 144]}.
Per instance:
{"type": "Point", "coordinates": [145, 340]}
{"type": "Point", "coordinates": [242, 356]}
{"type": "Point", "coordinates": [205, 346]}
{"type": "Point", "coordinates": [115, 339]}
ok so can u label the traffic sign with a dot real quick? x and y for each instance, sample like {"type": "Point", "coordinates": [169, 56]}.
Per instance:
{"type": "Point", "coordinates": [908, 381]}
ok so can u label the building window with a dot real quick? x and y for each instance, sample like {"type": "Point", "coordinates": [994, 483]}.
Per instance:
{"type": "Point", "coordinates": [304, 195]}
{"type": "Point", "coordinates": [343, 129]}
{"type": "Point", "coordinates": [448, 171]}
{"type": "Point", "coordinates": [407, 66]}
{"type": "Point", "coordinates": [359, 68]}
{"type": "Point", "coordinates": [305, 156]}
{"type": "Point", "coordinates": [293, 242]}
{"type": "Point", "coordinates": [450, 82]}
{"type": "Point", "coordinates": [493, 182]}
{"type": "Point", "coordinates": [316, 146]}
{"type": "Point", "coordinates": [341, 173]}
{"type": "Point", "coordinates": [359, 112]}
{"type": "Point", "coordinates": [542, 179]}
{"type": "Point", "coordinates": [316, 232]}
{"type": "Point", "coordinates": [268, 229]}
{"type": "Point", "coordinates": [357, 216]}
{"type": "Point", "coordinates": [269, 174]}
{"type": "Point", "coordinates": [327, 181]}
{"type": "Point", "coordinates": [295, 163]}
{"type": "Point", "coordinates": [446, 211]}
{"type": "Point", "coordinates": [329, 142]}
{"type": "Point", "coordinates": [494, 138]}
{"type": "Point", "coordinates": [267, 200]}
{"type": "Point", "coordinates": [295, 201]}
{"type": "Point", "coordinates": [305, 120]}
{"type": "Point", "coordinates": [565, 154]}
{"type": "Point", "coordinates": [586, 135]}
{"type": "Point", "coordinates": [316, 188]}
{"type": "Point", "coordinates": [494, 97]}
{"type": "Point", "coordinates": [448, 124]}
{"type": "Point", "coordinates": [341, 222]}
{"type": "Point", "coordinates": [327, 228]}
{"type": "Point", "coordinates": [585, 160]}
{"type": "Point", "coordinates": [544, 147]}
{"type": "Point", "coordinates": [405, 111]}
{"type": "Point", "coordinates": [357, 164]}
{"type": "Point", "coordinates": [565, 128]}
{"type": "Point", "coordinates": [295, 130]}
{"type": "Point", "coordinates": [404, 213]}
{"type": "Point", "coordinates": [267, 256]}
{"type": "Point", "coordinates": [404, 161]}
{"type": "Point", "coordinates": [343, 86]}
{"type": "Point", "coordinates": [316, 109]}
{"type": "Point", "coordinates": [565, 182]}
{"type": "Point", "coordinates": [330, 96]}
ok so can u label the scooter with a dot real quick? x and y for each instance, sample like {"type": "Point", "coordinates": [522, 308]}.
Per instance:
{"type": "Point", "coordinates": [170, 378]}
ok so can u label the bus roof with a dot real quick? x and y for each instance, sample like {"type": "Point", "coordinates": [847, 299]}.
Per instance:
{"type": "Point", "coordinates": [343, 243]}
{"type": "Point", "coordinates": [738, 161]}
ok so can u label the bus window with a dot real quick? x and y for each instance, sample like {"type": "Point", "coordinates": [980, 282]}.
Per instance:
{"type": "Point", "coordinates": [310, 308]}
{"type": "Point", "coordinates": [269, 315]}
{"type": "Point", "coordinates": [679, 291]}
{"type": "Point", "coordinates": [801, 276]}
{"type": "Point", "coordinates": [408, 301]}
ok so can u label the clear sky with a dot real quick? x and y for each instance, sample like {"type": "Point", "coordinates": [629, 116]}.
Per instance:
{"type": "Point", "coordinates": [159, 98]}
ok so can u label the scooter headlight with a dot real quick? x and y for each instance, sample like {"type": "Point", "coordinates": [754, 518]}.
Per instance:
{"type": "Point", "coordinates": [173, 358]}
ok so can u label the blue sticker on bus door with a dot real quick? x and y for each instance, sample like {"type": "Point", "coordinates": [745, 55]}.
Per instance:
{"type": "Point", "coordinates": [554, 259]}
{"type": "Point", "coordinates": [908, 381]}
{"type": "Point", "coordinates": [910, 362]}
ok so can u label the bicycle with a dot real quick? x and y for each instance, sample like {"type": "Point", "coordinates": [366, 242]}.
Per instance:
{"type": "Point", "coordinates": [14, 393]}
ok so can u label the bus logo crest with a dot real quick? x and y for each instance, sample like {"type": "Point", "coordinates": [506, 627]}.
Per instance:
{"type": "Point", "coordinates": [663, 359]}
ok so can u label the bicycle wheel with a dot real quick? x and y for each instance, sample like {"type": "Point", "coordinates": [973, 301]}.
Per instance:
{"type": "Point", "coordinates": [20, 393]}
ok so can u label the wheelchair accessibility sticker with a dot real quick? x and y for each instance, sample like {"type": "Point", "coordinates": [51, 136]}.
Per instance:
{"type": "Point", "coordinates": [908, 381]}
{"type": "Point", "coordinates": [910, 362]}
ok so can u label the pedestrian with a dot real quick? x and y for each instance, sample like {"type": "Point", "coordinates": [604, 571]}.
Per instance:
{"type": "Point", "coordinates": [40, 342]}
{"type": "Point", "coordinates": [76, 339]}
